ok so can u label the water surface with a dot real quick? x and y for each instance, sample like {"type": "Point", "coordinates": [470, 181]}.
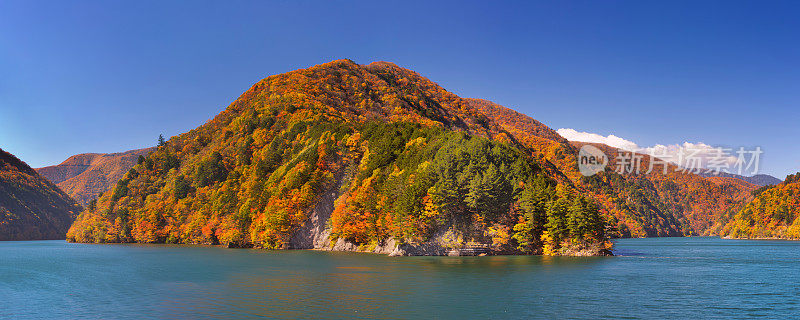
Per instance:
{"type": "Point", "coordinates": [652, 278]}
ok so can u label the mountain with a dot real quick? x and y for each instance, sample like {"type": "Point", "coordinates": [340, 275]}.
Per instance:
{"type": "Point", "coordinates": [774, 213]}
{"type": "Point", "coordinates": [85, 176]}
{"type": "Point", "coordinates": [31, 208]}
{"type": "Point", "coordinates": [377, 158]}
{"type": "Point", "coordinates": [759, 179]}
{"type": "Point", "coordinates": [664, 201]}
{"type": "Point", "coordinates": [351, 157]}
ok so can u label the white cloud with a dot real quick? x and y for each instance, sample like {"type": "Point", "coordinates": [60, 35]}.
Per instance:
{"type": "Point", "coordinates": [688, 154]}
{"type": "Point", "coordinates": [611, 140]}
{"type": "Point", "coordinates": [693, 155]}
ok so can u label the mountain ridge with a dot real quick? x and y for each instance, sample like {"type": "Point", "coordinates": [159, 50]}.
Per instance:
{"type": "Point", "coordinates": [87, 175]}
{"type": "Point", "coordinates": [758, 179]}
{"type": "Point", "coordinates": [31, 208]}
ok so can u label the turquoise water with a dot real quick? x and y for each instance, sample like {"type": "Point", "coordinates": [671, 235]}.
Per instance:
{"type": "Point", "coordinates": [653, 278]}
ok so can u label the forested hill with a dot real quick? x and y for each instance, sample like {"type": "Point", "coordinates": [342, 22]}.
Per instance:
{"type": "Point", "coordinates": [85, 176]}
{"type": "Point", "coordinates": [774, 213]}
{"type": "Point", "coordinates": [669, 201]}
{"type": "Point", "coordinates": [378, 153]}
{"type": "Point", "coordinates": [31, 208]}
{"type": "Point", "coordinates": [377, 158]}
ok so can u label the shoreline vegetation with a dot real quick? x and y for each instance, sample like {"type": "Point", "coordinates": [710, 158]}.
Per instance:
{"type": "Point", "coordinates": [773, 213]}
{"type": "Point", "coordinates": [449, 252]}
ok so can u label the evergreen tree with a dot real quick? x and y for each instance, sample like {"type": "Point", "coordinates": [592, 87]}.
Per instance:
{"type": "Point", "coordinates": [584, 220]}
{"type": "Point", "coordinates": [182, 187]}
{"type": "Point", "coordinates": [556, 226]}
{"type": "Point", "coordinates": [533, 201]}
{"type": "Point", "coordinates": [210, 171]}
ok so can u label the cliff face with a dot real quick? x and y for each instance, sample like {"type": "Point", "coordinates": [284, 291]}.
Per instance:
{"type": "Point", "coordinates": [85, 176]}
{"type": "Point", "coordinates": [315, 233]}
{"type": "Point", "coordinates": [31, 208]}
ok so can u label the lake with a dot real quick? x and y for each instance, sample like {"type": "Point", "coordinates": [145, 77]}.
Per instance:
{"type": "Point", "coordinates": [651, 278]}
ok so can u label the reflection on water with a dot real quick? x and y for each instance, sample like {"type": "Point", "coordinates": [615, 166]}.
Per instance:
{"type": "Point", "coordinates": [683, 277]}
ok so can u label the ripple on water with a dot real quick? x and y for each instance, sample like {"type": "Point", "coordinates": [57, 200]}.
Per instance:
{"type": "Point", "coordinates": [651, 278]}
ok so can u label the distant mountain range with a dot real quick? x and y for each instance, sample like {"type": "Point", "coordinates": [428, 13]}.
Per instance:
{"type": "Point", "coordinates": [31, 208]}
{"type": "Point", "coordinates": [759, 179]}
{"type": "Point", "coordinates": [85, 176]}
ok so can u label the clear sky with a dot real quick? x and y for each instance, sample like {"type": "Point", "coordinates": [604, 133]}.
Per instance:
{"type": "Point", "coordinates": [108, 76]}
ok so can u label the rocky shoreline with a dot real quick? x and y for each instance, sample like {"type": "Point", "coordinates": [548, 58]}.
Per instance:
{"type": "Point", "coordinates": [315, 234]}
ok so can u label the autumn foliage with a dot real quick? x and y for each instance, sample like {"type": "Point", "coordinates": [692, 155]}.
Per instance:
{"type": "Point", "coordinates": [31, 208]}
{"type": "Point", "coordinates": [85, 176]}
{"type": "Point", "coordinates": [774, 213]}
{"type": "Point", "coordinates": [406, 160]}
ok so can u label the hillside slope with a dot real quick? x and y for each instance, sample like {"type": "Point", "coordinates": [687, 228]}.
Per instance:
{"type": "Point", "coordinates": [378, 158]}
{"type": "Point", "coordinates": [350, 157]}
{"type": "Point", "coordinates": [31, 208]}
{"type": "Point", "coordinates": [774, 213]}
{"type": "Point", "coordinates": [664, 201]}
{"type": "Point", "coordinates": [85, 176]}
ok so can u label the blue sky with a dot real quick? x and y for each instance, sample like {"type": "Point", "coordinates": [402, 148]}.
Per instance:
{"type": "Point", "coordinates": [84, 76]}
